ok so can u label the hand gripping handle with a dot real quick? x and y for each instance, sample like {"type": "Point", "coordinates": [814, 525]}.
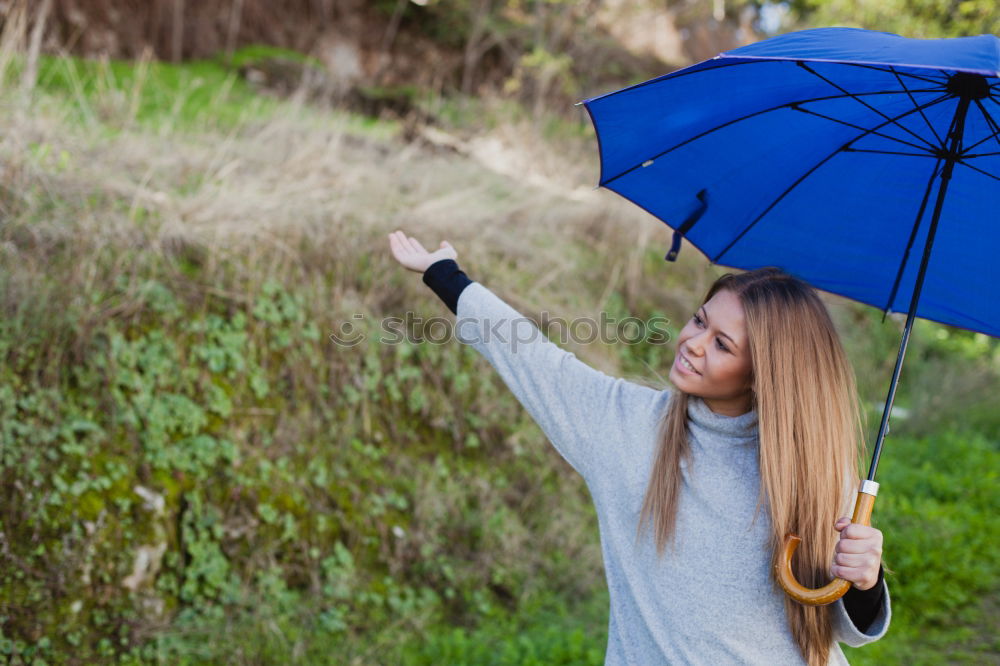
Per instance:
{"type": "Point", "coordinates": [836, 588]}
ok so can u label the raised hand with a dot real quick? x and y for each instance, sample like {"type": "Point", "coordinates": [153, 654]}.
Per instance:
{"type": "Point", "coordinates": [411, 254]}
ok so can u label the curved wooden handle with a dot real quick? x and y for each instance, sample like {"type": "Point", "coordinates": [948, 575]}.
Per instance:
{"type": "Point", "coordinates": [836, 588]}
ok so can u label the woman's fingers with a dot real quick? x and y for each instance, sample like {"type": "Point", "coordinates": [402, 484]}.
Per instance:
{"type": "Point", "coordinates": [395, 246]}
{"type": "Point", "coordinates": [861, 577]}
{"type": "Point", "coordinates": [860, 539]}
{"type": "Point", "coordinates": [401, 244]}
{"type": "Point", "coordinates": [414, 246]}
{"type": "Point", "coordinates": [403, 251]}
{"type": "Point", "coordinates": [413, 255]}
{"type": "Point", "coordinates": [859, 560]}
{"type": "Point", "coordinates": [418, 246]}
{"type": "Point", "coordinates": [407, 244]}
{"type": "Point", "coordinates": [857, 554]}
{"type": "Point", "coordinates": [858, 546]}
{"type": "Point", "coordinates": [857, 533]}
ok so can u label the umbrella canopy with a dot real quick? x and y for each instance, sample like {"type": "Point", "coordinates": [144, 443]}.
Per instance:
{"type": "Point", "coordinates": [866, 163]}
{"type": "Point", "coordinates": [822, 151]}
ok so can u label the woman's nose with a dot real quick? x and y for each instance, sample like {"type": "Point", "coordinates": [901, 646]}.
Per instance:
{"type": "Point", "coordinates": [695, 344]}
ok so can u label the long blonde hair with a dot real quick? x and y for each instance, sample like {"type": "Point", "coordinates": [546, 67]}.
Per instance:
{"type": "Point", "coordinates": [810, 429]}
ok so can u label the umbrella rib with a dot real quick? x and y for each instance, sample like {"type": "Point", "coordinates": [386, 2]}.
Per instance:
{"type": "Point", "coordinates": [989, 121]}
{"type": "Point", "coordinates": [844, 122]}
{"type": "Point", "coordinates": [866, 104]}
{"type": "Point", "coordinates": [966, 157]}
{"type": "Point", "coordinates": [922, 114]}
{"type": "Point", "coordinates": [841, 63]}
{"type": "Point", "coordinates": [814, 168]}
{"type": "Point", "coordinates": [788, 105]}
{"type": "Point", "coordinates": [747, 61]}
{"type": "Point", "coordinates": [952, 126]}
{"type": "Point", "coordinates": [879, 69]}
{"type": "Point", "coordinates": [988, 137]}
{"type": "Point", "coordinates": [887, 152]}
{"type": "Point", "coordinates": [913, 237]}
{"type": "Point", "coordinates": [985, 173]}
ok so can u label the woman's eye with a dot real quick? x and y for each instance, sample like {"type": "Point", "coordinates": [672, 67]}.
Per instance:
{"type": "Point", "coordinates": [722, 346]}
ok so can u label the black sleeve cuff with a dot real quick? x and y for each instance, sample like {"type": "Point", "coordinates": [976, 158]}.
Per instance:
{"type": "Point", "coordinates": [447, 280]}
{"type": "Point", "coordinates": [862, 606]}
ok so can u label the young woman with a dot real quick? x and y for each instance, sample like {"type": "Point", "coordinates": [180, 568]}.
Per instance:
{"type": "Point", "coordinates": [758, 438]}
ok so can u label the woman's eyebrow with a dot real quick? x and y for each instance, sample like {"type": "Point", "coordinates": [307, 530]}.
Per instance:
{"type": "Point", "coordinates": [722, 333]}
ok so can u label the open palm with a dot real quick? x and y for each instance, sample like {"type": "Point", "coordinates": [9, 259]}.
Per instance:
{"type": "Point", "coordinates": [410, 253]}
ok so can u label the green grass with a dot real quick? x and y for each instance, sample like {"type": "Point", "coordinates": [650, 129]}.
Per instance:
{"type": "Point", "coordinates": [937, 506]}
{"type": "Point", "coordinates": [552, 631]}
{"type": "Point", "coordinates": [155, 93]}
{"type": "Point", "coordinates": [163, 97]}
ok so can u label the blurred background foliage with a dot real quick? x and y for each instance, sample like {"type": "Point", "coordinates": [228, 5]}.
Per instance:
{"type": "Point", "coordinates": [913, 18]}
{"type": "Point", "coordinates": [195, 197]}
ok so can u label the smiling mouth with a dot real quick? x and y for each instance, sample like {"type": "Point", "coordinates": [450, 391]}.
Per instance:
{"type": "Point", "coordinates": [687, 364]}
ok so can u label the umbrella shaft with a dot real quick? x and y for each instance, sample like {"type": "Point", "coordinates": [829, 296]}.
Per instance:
{"type": "Point", "coordinates": [950, 157]}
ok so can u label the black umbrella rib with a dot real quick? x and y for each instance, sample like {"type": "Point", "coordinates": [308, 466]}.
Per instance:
{"type": "Point", "coordinates": [875, 68]}
{"type": "Point", "coordinates": [988, 137]}
{"type": "Point", "coordinates": [940, 82]}
{"type": "Point", "coordinates": [866, 104]}
{"type": "Point", "coordinates": [989, 121]}
{"type": "Point", "coordinates": [860, 127]}
{"type": "Point", "coordinates": [968, 157]}
{"type": "Point", "coordinates": [786, 105]}
{"type": "Point", "coordinates": [842, 63]}
{"type": "Point", "coordinates": [817, 166]}
{"type": "Point", "coordinates": [887, 152]}
{"type": "Point", "coordinates": [916, 224]}
{"type": "Point", "coordinates": [922, 114]}
{"type": "Point", "coordinates": [986, 114]}
{"type": "Point", "coordinates": [985, 173]}
{"type": "Point", "coordinates": [912, 239]}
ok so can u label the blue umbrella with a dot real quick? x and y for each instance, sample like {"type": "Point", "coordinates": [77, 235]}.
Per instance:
{"type": "Point", "coordinates": [863, 162]}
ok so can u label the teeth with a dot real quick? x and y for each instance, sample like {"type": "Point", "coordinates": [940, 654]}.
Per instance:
{"type": "Point", "coordinates": [687, 365]}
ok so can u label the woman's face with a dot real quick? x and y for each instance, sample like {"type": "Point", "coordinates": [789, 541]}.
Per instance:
{"type": "Point", "coordinates": [714, 342]}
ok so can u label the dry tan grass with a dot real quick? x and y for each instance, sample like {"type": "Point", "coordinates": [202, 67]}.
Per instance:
{"type": "Point", "coordinates": [304, 189]}
{"type": "Point", "coordinates": [305, 197]}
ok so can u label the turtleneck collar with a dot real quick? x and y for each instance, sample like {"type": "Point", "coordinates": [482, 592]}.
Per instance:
{"type": "Point", "coordinates": [744, 425]}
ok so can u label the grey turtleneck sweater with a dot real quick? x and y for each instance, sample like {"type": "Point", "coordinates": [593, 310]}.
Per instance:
{"type": "Point", "coordinates": [712, 599]}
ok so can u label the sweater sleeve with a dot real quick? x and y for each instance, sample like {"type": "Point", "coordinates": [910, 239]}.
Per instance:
{"type": "Point", "coordinates": [863, 605]}
{"type": "Point", "coordinates": [447, 280]}
{"type": "Point", "coordinates": [844, 628]}
{"type": "Point", "coordinates": [586, 414]}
